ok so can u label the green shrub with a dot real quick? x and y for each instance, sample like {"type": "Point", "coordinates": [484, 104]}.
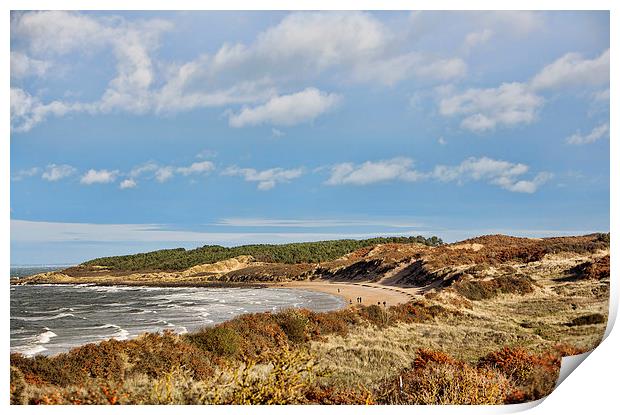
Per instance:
{"type": "Point", "coordinates": [294, 324]}
{"type": "Point", "coordinates": [18, 387]}
{"type": "Point", "coordinates": [221, 340]}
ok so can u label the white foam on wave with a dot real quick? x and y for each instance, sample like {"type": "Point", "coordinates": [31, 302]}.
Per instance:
{"type": "Point", "coordinates": [29, 350]}
{"type": "Point", "coordinates": [46, 336]}
{"type": "Point", "coordinates": [54, 317]}
{"type": "Point", "coordinates": [121, 333]}
{"type": "Point", "coordinates": [181, 330]}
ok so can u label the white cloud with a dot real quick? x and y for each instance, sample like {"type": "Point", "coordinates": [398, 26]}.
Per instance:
{"type": "Point", "coordinates": [267, 179]}
{"type": "Point", "coordinates": [128, 184]}
{"type": "Point", "coordinates": [27, 111]}
{"type": "Point", "coordinates": [400, 168]}
{"type": "Point", "coordinates": [22, 174]}
{"type": "Point", "coordinates": [163, 174]}
{"type": "Point", "coordinates": [355, 46]}
{"type": "Point", "coordinates": [143, 169]}
{"type": "Point", "coordinates": [508, 105]}
{"type": "Point", "coordinates": [442, 141]}
{"type": "Point", "coordinates": [287, 110]}
{"type": "Point", "coordinates": [474, 39]}
{"type": "Point", "coordinates": [596, 134]}
{"type": "Point", "coordinates": [516, 103]}
{"type": "Point", "coordinates": [389, 71]}
{"type": "Point", "coordinates": [58, 32]}
{"type": "Point", "coordinates": [197, 168]}
{"type": "Point", "coordinates": [55, 172]}
{"type": "Point", "coordinates": [573, 70]}
{"type": "Point", "coordinates": [93, 176]}
{"type": "Point", "coordinates": [501, 173]}
{"type": "Point", "coordinates": [23, 66]}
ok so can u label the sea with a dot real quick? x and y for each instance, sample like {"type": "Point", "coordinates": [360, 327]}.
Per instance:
{"type": "Point", "coordinates": [49, 318]}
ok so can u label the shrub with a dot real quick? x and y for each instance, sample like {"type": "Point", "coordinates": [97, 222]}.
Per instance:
{"type": "Point", "coordinates": [595, 318]}
{"type": "Point", "coordinates": [293, 323]}
{"type": "Point", "coordinates": [223, 341]}
{"type": "Point", "coordinates": [534, 376]}
{"type": "Point", "coordinates": [18, 387]}
{"type": "Point", "coordinates": [486, 289]}
{"type": "Point", "coordinates": [446, 383]}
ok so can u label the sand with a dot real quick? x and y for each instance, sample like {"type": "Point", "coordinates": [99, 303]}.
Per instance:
{"type": "Point", "coordinates": [369, 292]}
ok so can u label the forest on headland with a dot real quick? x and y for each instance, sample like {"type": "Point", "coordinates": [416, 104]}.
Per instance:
{"type": "Point", "coordinates": [292, 253]}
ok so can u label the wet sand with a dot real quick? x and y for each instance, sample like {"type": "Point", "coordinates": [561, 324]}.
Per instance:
{"type": "Point", "coordinates": [369, 292]}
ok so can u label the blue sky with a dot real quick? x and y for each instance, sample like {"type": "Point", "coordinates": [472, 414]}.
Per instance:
{"type": "Point", "coordinates": [136, 131]}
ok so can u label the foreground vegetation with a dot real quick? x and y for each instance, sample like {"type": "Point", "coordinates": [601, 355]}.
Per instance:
{"type": "Point", "coordinates": [269, 358]}
{"type": "Point", "coordinates": [491, 319]}
{"type": "Point", "coordinates": [179, 259]}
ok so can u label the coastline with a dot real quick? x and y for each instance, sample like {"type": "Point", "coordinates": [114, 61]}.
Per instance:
{"type": "Point", "coordinates": [370, 293]}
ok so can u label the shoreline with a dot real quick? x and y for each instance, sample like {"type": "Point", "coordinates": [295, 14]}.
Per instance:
{"type": "Point", "coordinates": [370, 293]}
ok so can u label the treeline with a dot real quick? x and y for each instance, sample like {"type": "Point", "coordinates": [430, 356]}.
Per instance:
{"type": "Point", "coordinates": [294, 253]}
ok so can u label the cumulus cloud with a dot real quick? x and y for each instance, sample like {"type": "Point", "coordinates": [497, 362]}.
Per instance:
{"type": "Point", "coordinates": [287, 110]}
{"type": "Point", "coordinates": [27, 110]}
{"type": "Point", "coordinates": [22, 66]}
{"type": "Point", "coordinates": [504, 174]}
{"type": "Point", "coordinates": [400, 168]}
{"type": "Point", "coordinates": [128, 184]}
{"type": "Point", "coordinates": [512, 104]}
{"type": "Point", "coordinates": [93, 176]}
{"type": "Point", "coordinates": [200, 167]}
{"type": "Point", "coordinates": [573, 70]}
{"type": "Point", "coordinates": [501, 173]}
{"type": "Point", "coordinates": [474, 39]}
{"type": "Point", "coordinates": [55, 172]}
{"type": "Point", "coordinates": [54, 33]}
{"type": "Point", "coordinates": [163, 174]}
{"type": "Point", "coordinates": [22, 174]}
{"type": "Point", "coordinates": [596, 134]}
{"type": "Point", "coordinates": [267, 179]}
{"type": "Point", "coordinates": [355, 46]}
{"type": "Point", "coordinates": [138, 171]}
{"type": "Point", "coordinates": [508, 105]}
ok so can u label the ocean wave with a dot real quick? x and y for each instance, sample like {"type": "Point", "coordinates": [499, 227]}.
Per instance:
{"type": "Point", "coordinates": [46, 336]}
{"type": "Point", "coordinates": [54, 317]}
{"type": "Point", "coordinates": [29, 350]}
{"type": "Point", "coordinates": [121, 333]}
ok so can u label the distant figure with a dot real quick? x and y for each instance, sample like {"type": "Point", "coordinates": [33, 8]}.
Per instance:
{"type": "Point", "coordinates": [378, 302]}
{"type": "Point", "coordinates": [360, 300]}
{"type": "Point", "coordinates": [338, 289]}
{"type": "Point", "coordinates": [384, 304]}
{"type": "Point", "coordinates": [350, 301]}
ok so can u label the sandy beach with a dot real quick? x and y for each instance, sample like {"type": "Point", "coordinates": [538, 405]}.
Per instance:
{"type": "Point", "coordinates": [369, 292]}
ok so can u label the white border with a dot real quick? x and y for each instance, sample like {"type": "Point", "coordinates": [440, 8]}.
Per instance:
{"type": "Point", "coordinates": [590, 390]}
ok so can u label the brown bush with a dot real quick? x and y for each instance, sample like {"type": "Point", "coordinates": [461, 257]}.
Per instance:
{"type": "Point", "coordinates": [334, 322]}
{"type": "Point", "coordinates": [534, 376]}
{"type": "Point", "coordinates": [258, 332]}
{"type": "Point", "coordinates": [592, 270]}
{"type": "Point", "coordinates": [446, 383]}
